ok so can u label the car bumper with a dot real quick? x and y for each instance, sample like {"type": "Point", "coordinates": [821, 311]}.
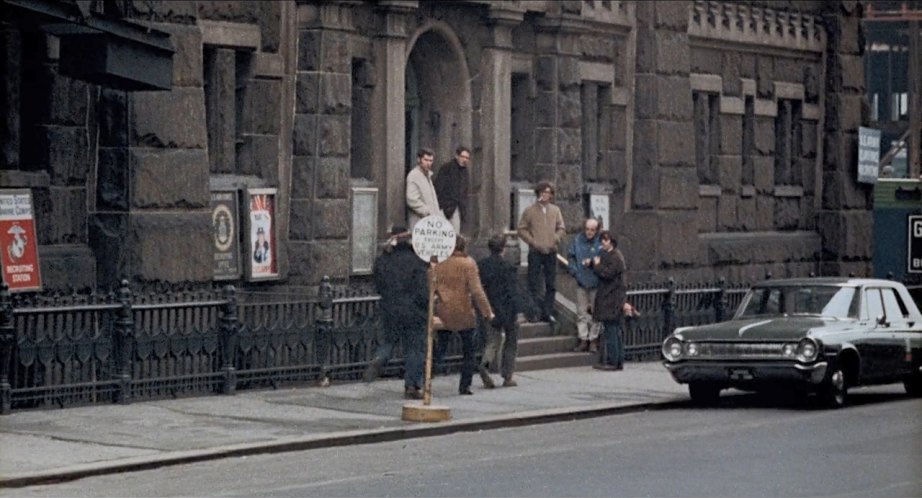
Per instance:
{"type": "Point", "coordinates": [745, 373]}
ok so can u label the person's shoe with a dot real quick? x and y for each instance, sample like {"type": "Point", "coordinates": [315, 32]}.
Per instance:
{"type": "Point", "coordinates": [412, 393]}
{"type": "Point", "coordinates": [594, 346]}
{"type": "Point", "coordinates": [549, 319]}
{"type": "Point", "coordinates": [465, 391]}
{"type": "Point", "coordinates": [582, 347]}
{"type": "Point", "coordinates": [509, 382]}
{"type": "Point", "coordinates": [372, 370]}
{"type": "Point", "coordinates": [485, 377]}
{"type": "Point", "coordinates": [605, 366]}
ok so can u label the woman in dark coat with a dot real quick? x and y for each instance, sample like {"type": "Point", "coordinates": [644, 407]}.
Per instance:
{"type": "Point", "coordinates": [610, 300]}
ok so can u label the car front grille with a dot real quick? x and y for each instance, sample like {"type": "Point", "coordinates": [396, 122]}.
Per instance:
{"type": "Point", "coordinates": [740, 350]}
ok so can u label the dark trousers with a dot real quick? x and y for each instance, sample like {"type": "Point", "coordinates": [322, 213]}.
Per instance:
{"type": "Point", "coordinates": [613, 351]}
{"type": "Point", "coordinates": [542, 265]}
{"type": "Point", "coordinates": [509, 351]}
{"type": "Point", "coordinates": [468, 361]}
{"type": "Point", "coordinates": [414, 352]}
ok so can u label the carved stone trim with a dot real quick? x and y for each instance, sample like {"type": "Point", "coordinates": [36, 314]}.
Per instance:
{"type": "Point", "coordinates": [614, 12]}
{"type": "Point", "coordinates": [230, 34]}
{"type": "Point", "coordinates": [743, 24]}
{"type": "Point", "coordinates": [709, 190]}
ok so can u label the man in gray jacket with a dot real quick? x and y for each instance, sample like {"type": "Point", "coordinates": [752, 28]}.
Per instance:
{"type": "Point", "coordinates": [421, 198]}
{"type": "Point", "coordinates": [541, 227]}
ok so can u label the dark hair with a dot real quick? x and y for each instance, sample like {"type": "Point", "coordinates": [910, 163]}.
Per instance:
{"type": "Point", "coordinates": [461, 149]}
{"type": "Point", "coordinates": [542, 185]}
{"type": "Point", "coordinates": [497, 243]}
{"type": "Point", "coordinates": [606, 235]}
{"type": "Point", "coordinates": [424, 152]}
{"type": "Point", "coordinates": [460, 243]}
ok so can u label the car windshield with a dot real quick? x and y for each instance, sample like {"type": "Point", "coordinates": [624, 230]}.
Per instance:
{"type": "Point", "coordinates": [818, 300]}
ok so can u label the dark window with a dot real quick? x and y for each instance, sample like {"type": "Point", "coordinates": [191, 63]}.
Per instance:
{"type": "Point", "coordinates": [596, 131]}
{"type": "Point", "coordinates": [522, 122]}
{"type": "Point", "coordinates": [707, 136]}
{"type": "Point", "coordinates": [748, 141]}
{"type": "Point", "coordinates": [788, 143]}
{"type": "Point", "coordinates": [360, 156]}
{"type": "Point", "coordinates": [227, 72]}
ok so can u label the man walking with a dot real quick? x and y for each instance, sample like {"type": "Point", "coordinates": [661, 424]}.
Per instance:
{"type": "Point", "coordinates": [582, 250]}
{"type": "Point", "coordinates": [498, 277]}
{"type": "Point", "coordinates": [541, 227]}
{"type": "Point", "coordinates": [400, 279]}
{"type": "Point", "coordinates": [421, 197]}
{"type": "Point", "coordinates": [451, 187]}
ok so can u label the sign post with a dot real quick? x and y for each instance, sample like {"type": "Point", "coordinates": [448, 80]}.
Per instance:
{"type": "Point", "coordinates": [433, 241]}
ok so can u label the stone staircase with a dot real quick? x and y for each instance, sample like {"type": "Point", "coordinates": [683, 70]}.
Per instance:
{"type": "Point", "coordinates": [544, 346]}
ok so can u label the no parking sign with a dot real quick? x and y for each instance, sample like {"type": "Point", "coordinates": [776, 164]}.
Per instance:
{"type": "Point", "coordinates": [433, 236]}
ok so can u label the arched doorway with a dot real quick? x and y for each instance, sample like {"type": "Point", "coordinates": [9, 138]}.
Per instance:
{"type": "Point", "coordinates": [438, 96]}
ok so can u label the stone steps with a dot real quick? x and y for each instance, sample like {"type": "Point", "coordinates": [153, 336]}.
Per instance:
{"type": "Point", "coordinates": [554, 360]}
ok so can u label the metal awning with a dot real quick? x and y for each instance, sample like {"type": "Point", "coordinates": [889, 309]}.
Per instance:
{"type": "Point", "coordinates": [115, 53]}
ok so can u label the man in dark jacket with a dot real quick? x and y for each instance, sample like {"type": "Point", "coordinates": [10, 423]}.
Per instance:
{"type": "Point", "coordinates": [451, 187]}
{"type": "Point", "coordinates": [498, 277]}
{"type": "Point", "coordinates": [400, 278]}
{"type": "Point", "coordinates": [610, 301]}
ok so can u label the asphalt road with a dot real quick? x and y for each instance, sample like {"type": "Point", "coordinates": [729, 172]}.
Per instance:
{"type": "Point", "coordinates": [747, 446]}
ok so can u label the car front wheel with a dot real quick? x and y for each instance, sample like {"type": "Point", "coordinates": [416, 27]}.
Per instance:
{"type": "Point", "coordinates": [913, 385]}
{"type": "Point", "coordinates": [704, 393]}
{"type": "Point", "coordinates": [834, 393]}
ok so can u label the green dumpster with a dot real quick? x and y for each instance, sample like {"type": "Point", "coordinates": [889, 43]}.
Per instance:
{"type": "Point", "coordinates": [898, 230]}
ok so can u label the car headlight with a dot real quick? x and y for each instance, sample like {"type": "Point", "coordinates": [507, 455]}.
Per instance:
{"type": "Point", "coordinates": [691, 349]}
{"type": "Point", "coordinates": [789, 350]}
{"type": "Point", "coordinates": [672, 349]}
{"type": "Point", "coordinates": [807, 350]}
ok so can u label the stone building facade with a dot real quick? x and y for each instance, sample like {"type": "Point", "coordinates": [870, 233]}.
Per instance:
{"type": "Point", "coordinates": [721, 135]}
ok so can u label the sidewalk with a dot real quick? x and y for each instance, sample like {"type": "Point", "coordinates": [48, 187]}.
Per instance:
{"type": "Point", "coordinates": [42, 446]}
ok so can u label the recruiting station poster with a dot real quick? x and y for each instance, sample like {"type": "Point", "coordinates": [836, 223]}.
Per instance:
{"type": "Point", "coordinates": [18, 243]}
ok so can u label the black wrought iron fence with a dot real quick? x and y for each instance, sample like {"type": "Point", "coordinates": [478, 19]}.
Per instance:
{"type": "Point", "coordinates": [114, 348]}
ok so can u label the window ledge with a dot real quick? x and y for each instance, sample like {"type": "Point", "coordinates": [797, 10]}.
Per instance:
{"type": "Point", "coordinates": [709, 190]}
{"type": "Point", "coordinates": [789, 191]}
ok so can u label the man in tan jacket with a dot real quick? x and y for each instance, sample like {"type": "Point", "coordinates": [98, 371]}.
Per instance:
{"type": "Point", "coordinates": [458, 288]}
{"type": "Point", "coordinates": [541, 227]}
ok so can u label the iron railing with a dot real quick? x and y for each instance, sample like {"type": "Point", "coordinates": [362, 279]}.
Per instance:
{"type": "Point", "coordinates": [72, 350]}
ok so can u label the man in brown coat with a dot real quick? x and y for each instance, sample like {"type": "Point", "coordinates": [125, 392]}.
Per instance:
{"type": "Point", "coordinates": [610, 301]}
{"type": "Point", "coordinates": [457, 285]}
{"type": "Point", "coordinates": [541, 227]}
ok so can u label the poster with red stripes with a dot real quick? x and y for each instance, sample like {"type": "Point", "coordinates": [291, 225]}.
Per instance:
{"type": "Point", "coordinates": [263, 260]}
{"type": "Point", "coordinates": [18, 243]}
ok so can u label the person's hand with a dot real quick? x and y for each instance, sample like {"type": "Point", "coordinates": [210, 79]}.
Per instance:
{"type": "Point", "coordinates": [586, 262]}
{"type": "Point", "coordinates": [596, 260]}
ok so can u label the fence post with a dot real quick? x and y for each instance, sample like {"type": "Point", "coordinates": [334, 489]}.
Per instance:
{"type": "Point", "coordinates": [669, 307]}
{"type": "Point", "coordinates": [7, 340]}
{"type": "Point", "coordinates": [229, 340]}
{"type": "Point", "coordinates": [324, 328]}
{"type": "Point", "coordinates": [124, 340]}
{"type": "Point", "coordinates": [720, 301]}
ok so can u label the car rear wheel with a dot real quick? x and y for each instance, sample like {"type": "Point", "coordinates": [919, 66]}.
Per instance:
{"type": "Point", "coordinates": [834, 393]}
{"type": "Point", "coordinates": [704, 393]}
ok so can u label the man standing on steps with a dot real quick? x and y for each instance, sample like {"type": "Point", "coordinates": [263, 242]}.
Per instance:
{"type": "Point", "coordinates": [401, 280]}
{"type": "Point", "coordinates": [421, 198]}
{"type": "Point", "coordinates": [541, 227]}
{"type": "Point", "coordinates": [583, 249]}
{"type": "Point", "coordinates": [451, 187]}
{"type": "Point", "coordinates": [498, 277]}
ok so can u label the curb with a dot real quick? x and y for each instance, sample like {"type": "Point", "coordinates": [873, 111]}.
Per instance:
{"type": "Point", "coordinates": [331, 440]}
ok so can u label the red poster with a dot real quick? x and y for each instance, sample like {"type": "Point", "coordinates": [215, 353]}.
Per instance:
{"type": "Point", "coordinates": [18, 243]}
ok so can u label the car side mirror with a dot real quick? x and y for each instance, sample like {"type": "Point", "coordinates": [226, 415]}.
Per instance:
{"type": "Point", "coordinates": [882, 320]}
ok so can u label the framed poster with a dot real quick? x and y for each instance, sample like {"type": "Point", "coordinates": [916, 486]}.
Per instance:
{"type": "Point", "coordinates": [262, 255]}
{"type": "Point", "coordinates": [18, 243]}
{"type": "Point", "coordinates": [224, 223]}
{"type": "Point", "coordinates": [364, 229]}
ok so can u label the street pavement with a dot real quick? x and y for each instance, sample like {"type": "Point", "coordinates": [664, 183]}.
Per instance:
{"type": "Point", "coordinates": [54, 445]}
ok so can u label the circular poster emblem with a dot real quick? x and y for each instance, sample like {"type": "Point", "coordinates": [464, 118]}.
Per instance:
{"type": "Point", "coordinates": [433, 236]}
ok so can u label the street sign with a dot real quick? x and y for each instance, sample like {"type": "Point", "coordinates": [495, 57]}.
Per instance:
{"type": "Point", "coordinates": [868, 154]}
{"type": "Point", "coordinates": [433, 236]}
{"type": "Point", "coordinates": [914, 261]}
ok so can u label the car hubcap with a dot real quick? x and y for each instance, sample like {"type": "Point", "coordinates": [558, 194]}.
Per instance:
{"type": "Point", "coordinates": [838, 380]}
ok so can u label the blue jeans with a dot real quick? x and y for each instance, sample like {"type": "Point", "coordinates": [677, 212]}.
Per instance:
{"type": "Point", "coordinates": [414, 353]}
{"type": "Point", "coordinates": [613, 353]}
